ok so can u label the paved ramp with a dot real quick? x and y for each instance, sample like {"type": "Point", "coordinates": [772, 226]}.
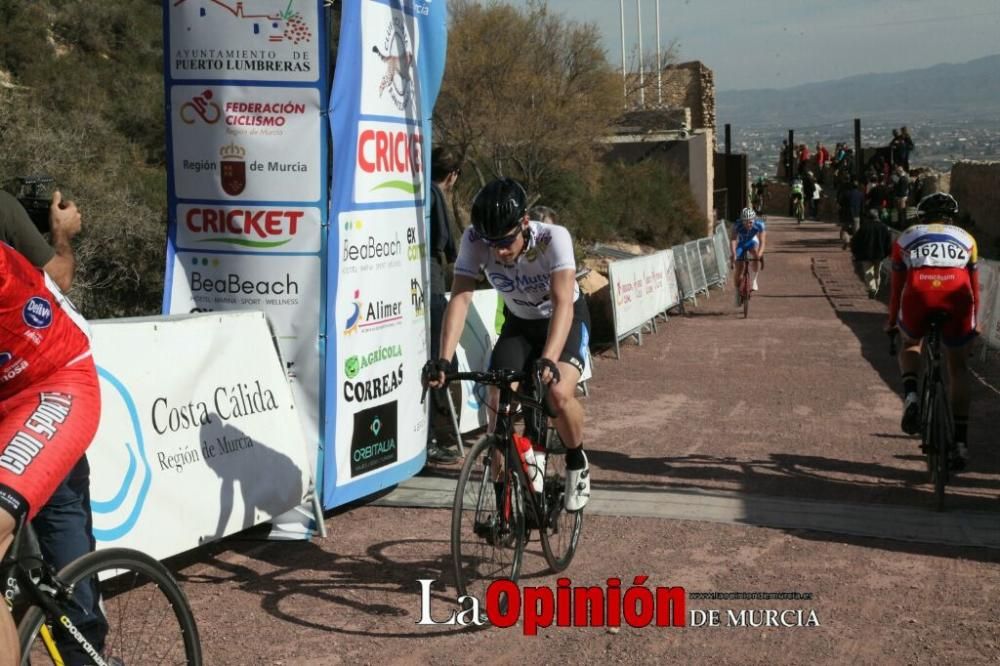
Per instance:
{"type": "Point", "coordinates": [966, 528]}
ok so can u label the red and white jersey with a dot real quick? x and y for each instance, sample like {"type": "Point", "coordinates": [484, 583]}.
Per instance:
{"type": "Point", "coordinates": [40, 331]}
{"type": "Point", "coordinates": [940, 246]}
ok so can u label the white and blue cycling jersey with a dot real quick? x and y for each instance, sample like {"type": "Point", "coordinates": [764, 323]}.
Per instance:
{"type": "Point", "coordinates": [747, 238]}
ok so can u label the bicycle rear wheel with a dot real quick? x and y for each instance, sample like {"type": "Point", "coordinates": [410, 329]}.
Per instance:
{"type": "Point", "coordinates": [940, 444]}
{"type": "Point", "coordinates": [487, 521]}
{"type": "Point", "coordinates": [149, 619]}
{"type": "Point", "coordinates": [561, 531]}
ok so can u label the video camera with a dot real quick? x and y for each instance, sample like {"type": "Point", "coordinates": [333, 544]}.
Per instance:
{"type": "Point", "coordinates": [35, 194]}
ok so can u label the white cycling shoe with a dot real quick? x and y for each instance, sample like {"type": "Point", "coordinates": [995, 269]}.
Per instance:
{"type": "Point", "coordinates": [577, 487]}
{"type": "Point", "coordinates": [754, 288]}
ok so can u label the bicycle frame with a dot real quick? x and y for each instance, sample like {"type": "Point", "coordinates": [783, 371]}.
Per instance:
{"type": "Point", "coordinates": [504, 428]}
{"type": "Point", "coordinates": [37, 583]}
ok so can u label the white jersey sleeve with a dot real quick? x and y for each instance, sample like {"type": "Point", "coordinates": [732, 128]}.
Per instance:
{"type": "Point", "coordinates": [472, 255]}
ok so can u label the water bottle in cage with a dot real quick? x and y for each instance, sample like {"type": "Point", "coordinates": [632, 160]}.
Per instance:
{"type": "Point", "coordinates": [532, 469]}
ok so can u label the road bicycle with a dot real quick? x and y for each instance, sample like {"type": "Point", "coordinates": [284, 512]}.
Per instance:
{"type": "Point", "coordinates": [937, 425]}
{"type": "Point", "coordinates": [744, 284]}
{"type": "Point", "coordinates": [759, 202]}
{"type": "Point", "coordinates": [798, 210]}
{"type": "Point", "coordinates": [495, 505]}
{"type": "Point", "coordinates": [149, 620]}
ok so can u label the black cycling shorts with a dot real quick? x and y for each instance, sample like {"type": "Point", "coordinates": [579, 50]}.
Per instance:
{"type": "Point", "coordinates": [522, 340]}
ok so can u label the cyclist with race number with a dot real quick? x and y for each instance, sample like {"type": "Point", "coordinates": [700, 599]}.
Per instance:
{"type": "Point", "coordinates": [934, 271]}
{"type": "Point", "coordinates": [748, 240]}
{"type": "Point", "coordinates": [50, 402]}
{"type": "Point", "coordinates": [547, 324]}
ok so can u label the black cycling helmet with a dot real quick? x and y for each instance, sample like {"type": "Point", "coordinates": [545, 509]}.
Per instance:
{"type": "Point", "coordinates": [498, 208]}
{"type": "Point", "coordinates": [938, 205]}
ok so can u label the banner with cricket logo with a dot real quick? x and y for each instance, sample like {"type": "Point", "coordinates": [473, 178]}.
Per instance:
{"type": "Point", "coordinates": [245, 85]}
{"type": "Point", "coordinates": [389, 66]}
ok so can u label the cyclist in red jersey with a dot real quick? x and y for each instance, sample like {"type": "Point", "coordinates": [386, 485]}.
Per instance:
{"type": "Point", "coordinates": [50, 400]}
{"type": "Point", "coordinates": [934, 271]}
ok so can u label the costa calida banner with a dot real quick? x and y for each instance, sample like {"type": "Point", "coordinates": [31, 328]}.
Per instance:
{"type": "Point", "coordinates": [245, 84]}
{"type": "Point", "coordinates": [390, 62]}
{"type": "Point", "coordinates": [199, 436]}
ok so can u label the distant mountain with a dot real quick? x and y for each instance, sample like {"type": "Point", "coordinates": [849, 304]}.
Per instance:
{"type": "Point", "coordinates": [961, 91]}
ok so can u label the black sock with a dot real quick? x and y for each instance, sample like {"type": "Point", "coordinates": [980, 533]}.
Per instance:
{"type": "Point", "coordinates": [962, 429]}
{"type": "Point", "coordinates": [575, 459]}
{"type": "Point", "coordinates": [909, 383]}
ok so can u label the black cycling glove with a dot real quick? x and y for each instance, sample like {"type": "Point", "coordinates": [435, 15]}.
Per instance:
{"type": "Point", "coordinates": [543, 363]}
{"type": "Point", "coordinates": [433, 369]}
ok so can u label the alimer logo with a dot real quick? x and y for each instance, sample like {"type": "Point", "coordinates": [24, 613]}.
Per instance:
{"type": "Point", "coordinates": [370, 316]}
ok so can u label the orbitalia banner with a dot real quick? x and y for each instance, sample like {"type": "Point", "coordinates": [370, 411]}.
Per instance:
{"type": "Point", "coordinates": [389, 65]}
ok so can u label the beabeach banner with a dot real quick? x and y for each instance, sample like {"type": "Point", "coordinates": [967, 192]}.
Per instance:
{"type": "Point", "coordinates": [390, 62]}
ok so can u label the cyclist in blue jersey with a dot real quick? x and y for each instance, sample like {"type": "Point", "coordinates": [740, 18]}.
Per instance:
{"type": "Point", "coordinates": [748, 240]}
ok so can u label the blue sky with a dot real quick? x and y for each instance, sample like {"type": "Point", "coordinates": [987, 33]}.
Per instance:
{"type": "Point", "coordinates": [781, 43]}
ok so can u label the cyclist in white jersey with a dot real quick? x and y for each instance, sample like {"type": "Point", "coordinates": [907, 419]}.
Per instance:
{"type": "Point", "coordinates": [547, 324]}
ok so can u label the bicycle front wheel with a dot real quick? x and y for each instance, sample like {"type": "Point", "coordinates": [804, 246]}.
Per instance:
{"type": "Point", "coordinates": [148, 617]}
{"type": "Point", "coordinates": [561, 531]}
{"type": "Point", "coordinates": [487, 521]}
{"type": "Point", "coordinates": [747, 290]}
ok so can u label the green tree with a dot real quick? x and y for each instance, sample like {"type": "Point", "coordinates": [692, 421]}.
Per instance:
{"type": "Point", "coordinates": [81, 100]}
{"type": "Point", "coordinates": [525, 93]}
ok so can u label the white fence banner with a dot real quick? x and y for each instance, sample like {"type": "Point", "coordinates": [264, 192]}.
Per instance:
{"type": "Point", "coordinates": [199, 435]}
{"type": "Point", "coordinates": [638, 291]}
{"type": "Point", "coordinates": [673, 293]}
{"type": "Point", "coordinates": [473, 354]}
{"type": "Point", "coordinates": [685, 282]}
{"type": "Point", "coordinates": [698, 281]}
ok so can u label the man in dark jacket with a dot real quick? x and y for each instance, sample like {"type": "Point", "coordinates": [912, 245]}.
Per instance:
{"type": "Point", "coordinates": [870, 245]}
{"type": "Point", "coordinates": [445, 170]}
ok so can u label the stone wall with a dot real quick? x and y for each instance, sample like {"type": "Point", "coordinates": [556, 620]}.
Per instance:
{"type": "Point", "coordinates": [976, 187]}
{"type": "Point", "coordinates": [691, 85]}
{"type": "Point", "coordinates": [701, 151]}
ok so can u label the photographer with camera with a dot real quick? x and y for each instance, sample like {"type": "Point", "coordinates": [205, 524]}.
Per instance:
{"type": "Point", "coordinates": [64, 223]}
{"type": "Point", "coordinates": [64, 524]}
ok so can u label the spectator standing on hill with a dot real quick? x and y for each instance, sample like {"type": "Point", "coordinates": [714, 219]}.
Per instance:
{"type": "Point", "coordinates": [870, 246]}
{"type": "Point", "coordinates": [895, 149]}
{"type": "Point", "coordinates": [907, 146]}
{"type": "Point", "coordinates": [848, 162]}
{"type": "Point", "coordinates": [442, 443]}
{"type": "Point", "coordinates": [839, 153]}
{"type": "Point", "coordinates": [855, 202]}
{"type": "Point", "coordinates": [803, 158]}
{"type": "Point", "coordinates": [900, 192]}
{"type": "Point", "coordinates": [822, 160]}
